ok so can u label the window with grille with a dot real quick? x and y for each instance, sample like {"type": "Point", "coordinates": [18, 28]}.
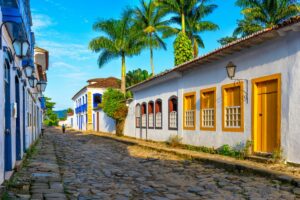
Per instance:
{"type": "Point", "coordinates": [208, 109]}
{"type": "Point", "coordinates": [173, 108]}
{"type": "Point", "coordinates": [137, 116]}
{"type": "Point", "coordinates": [150, 114]}
{"type": "Point", "coordinates": [158, 114]}
{"type": "Point", "coordinates": [144, 115]}
{"type": "Point", "coordinates": [190, 111]}
{"type": "Point", "coordinates": [233, 107]}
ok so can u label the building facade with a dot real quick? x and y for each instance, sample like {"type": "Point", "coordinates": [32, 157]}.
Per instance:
{"type": "Point", "coordinates": [88, 115]}
{"type": "Point", "coordinates": [245, 91]}
{"type": "Point", "coordinates": [21, 85]}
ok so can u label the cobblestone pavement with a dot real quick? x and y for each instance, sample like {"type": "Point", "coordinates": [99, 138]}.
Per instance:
{"type": "Point", "coordinates": [39, 177]}
{"type": "Point", "coordinates": [99, 168]}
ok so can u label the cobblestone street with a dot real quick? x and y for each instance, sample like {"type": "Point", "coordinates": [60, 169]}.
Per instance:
{"type": "Point", "coordinates": [94, 167]}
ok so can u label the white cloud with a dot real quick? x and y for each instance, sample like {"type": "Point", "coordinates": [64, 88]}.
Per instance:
{"type": "Point", "coordinates": [41, 21]}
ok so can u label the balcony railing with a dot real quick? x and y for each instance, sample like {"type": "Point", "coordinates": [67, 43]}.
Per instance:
{"type": "Point", "coordinates": [81, 109]}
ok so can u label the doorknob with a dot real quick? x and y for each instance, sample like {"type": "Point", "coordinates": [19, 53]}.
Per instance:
{"type": "Point", "coordinates": [7, 131]}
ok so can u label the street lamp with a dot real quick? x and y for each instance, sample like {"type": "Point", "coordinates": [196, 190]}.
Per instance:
{"type": "Point", "coordinates": [41, 85]}
{"type": "Point", "coordinates": [21, 47]}
{"type": "Point", "coordinates": [28, 68]}
{"type": "Point", "coordinates": [32, 81]}
{"type": "Point", "coordinates": [230, 68]}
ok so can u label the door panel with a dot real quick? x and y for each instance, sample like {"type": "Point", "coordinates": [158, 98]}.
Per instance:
{"type": "Point", "coordinates": [267, 117]}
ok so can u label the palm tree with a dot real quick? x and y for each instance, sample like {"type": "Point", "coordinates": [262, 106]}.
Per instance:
{"type": "Point", "coordinates": [260, 14]}
{"type": "Point", "coordinates": [136, 76]}
{"type": "Point", "coordinates": [149, 18]}
{"type": "Point", "coordinates": [121, 39]}
{"type": "Point", "coordinates": [193, 24]}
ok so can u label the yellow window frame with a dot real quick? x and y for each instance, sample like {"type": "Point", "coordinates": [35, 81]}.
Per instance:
{"type": "Point", "coordinates": [184, 110]}
{"type": "Point", "coordinates": [202, 92]}
{"type": "Point", "coordinates": [224, 88]}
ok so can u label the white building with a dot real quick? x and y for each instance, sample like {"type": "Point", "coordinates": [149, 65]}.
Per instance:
{"type": "Point", "coordinates": [198, 102]}
{"type": "Point", "coordinates": [88, 115]}
{"type": "Point", "coordinates": [21, 102]}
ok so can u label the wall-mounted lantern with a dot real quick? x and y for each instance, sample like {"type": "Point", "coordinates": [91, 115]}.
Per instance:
{"type": "Point", "coordinates": [231, 69]}
{"type": "Point", "coordinates": [32, 81]}
{"type": "Point", "coordinates": [28, 67]}
{"type": "Point", "coordinates": [21, 47]}
{"type": "Point", "coordinates": [41, 85]}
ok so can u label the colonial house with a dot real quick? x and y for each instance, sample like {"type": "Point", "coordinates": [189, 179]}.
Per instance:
{"type": "Point", "coordinates": [245, 91]}
{"type": "Point", "coordinates": [22, 81]}
{"type": "Point", "coordinates": [88, 115]}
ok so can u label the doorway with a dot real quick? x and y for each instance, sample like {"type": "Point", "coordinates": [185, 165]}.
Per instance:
{"type": "Point", "coordinates": [266, 114]}
{"type": "Point", "coordinates": [18, 122]}
{"type": "Point", "coordinates": [98, 121]}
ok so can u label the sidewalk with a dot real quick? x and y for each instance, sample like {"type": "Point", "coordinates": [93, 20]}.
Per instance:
{"type": "Point", "coordinates": [39, 177]}
{"type": "Point", "coordinates": [281, 172]}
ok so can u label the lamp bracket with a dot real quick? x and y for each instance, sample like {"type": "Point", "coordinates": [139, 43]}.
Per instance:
{"type": "Point", "coordinates": [237, 81]}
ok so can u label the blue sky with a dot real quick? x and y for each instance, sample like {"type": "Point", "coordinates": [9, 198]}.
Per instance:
{"type": "Point", "coordinates": [65, 29]}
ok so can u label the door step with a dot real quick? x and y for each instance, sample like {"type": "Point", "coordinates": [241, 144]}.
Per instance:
{"type": "Point", "coordinates": [261, 159]}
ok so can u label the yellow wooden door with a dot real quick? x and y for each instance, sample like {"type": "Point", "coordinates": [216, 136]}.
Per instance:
{"type": "Point", "coordinates": [267, 133]}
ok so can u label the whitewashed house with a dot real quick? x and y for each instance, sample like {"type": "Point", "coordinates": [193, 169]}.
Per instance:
{"type": "Point", "coordinates": [22, 81]}
{"type": "Point", "coordinates": [88, 115]}
{"type": "Point", "coordinates": [247, 90]}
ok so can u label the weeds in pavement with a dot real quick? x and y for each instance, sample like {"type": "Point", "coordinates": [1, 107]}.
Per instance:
{"type": "Point", "coordinates": [175, 141]}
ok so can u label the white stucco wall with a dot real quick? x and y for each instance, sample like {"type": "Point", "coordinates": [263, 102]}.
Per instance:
{"type": "Point", "coordinates": [280, 55]}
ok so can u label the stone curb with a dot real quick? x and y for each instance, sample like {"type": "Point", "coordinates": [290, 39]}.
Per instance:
{"type": "Point", "coordinates": [228, 165]}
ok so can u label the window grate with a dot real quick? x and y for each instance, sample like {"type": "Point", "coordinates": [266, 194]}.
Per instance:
{"type": "Point", "coordinates": [189, 118]}
{"type": "Point", "coordinates": [208, 117]}
{"type": "Point", "coordinates": [151, 120]}
{"type": "Point", "coordinates": [144, 120]}
{"type": "Point", "coordinates": [158, 121]}
{"type": "Point", "coordinates": [173, 119]}
{"type": "Point", "coordinates": [233, 116]}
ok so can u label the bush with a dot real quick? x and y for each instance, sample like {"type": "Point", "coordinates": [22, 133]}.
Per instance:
{"type": "Point", "coordinates": [114, 105]}
{"type": "Point", "coordinates": [183, 49]}
{"type": "Point", "coordinates": [174, 141]}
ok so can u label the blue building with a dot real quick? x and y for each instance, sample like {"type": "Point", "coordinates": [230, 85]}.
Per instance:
{"type": "Point", "coordinates": [22, 81]}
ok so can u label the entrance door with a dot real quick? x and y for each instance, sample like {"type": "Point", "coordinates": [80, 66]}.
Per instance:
{"type": "Point", "coordinates": [24, 120]}
{"type": "Point", "coordinates": [266, 116]}
{"type": "Point", "coordinates": [7, 136]}
{"type": "Point", "coordinates": [98, 121]}
{"type": "Point", "coordinates": [18, 123]}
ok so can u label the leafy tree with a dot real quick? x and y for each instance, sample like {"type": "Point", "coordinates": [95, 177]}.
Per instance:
{"type": "Point", "coordinates": [182, 49]}
{"type": "Point", "coordinates": [70, 111]}
{"type": "Point", "coordinates": [136, 76]}
{"type": "Point", "coordinates": [114, 105]}
{"type": "Point", "coordinates": [51, 118]}
{"type": "Point", "coordinates": [150, 19]}
{"type": "Point", "coordinates": [260, 14]}
{"type": "Point", "coordinates": [195, 25]}
{"type": "Point", "coordinates": [121, 39]}
{"type": "Point", "coordinates": [227, 40]}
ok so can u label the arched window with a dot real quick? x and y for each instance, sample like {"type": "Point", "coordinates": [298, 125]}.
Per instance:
{"type": "Point", "coordinates": [158, 114]}
{"type": "Point", "coordinates": [173, 113]}
{"type": "Point", "coordinates": [144, 115]}
{"type": "Point", "coordinates": [138, 116]}
{"type": "Point", "coordinates": [151, 114]}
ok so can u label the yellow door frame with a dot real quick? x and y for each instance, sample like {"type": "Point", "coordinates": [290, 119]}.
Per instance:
{"type": "Point", "coordinates": [254, 85]}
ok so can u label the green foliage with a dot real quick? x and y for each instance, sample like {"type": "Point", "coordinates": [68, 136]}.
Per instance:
{"type": "Point", "coordinates": [183, 49]}
{"type": "Point", "coordinates": [277, 155]}
{"type": "Point", "coordinates": [226, 40]}
{"type": "Point", "coordinates": [51, 118]}
{"type": "Point", "coordinates": [260, 14]}
{"type": "Point", "coordinates": [175, 141]}
{"type": "Point", "coordinates": [114, 105]}
{"type": "Point", "coordinates": [70, 111]}
{"type": "Point", "coordinates": [136, 76]}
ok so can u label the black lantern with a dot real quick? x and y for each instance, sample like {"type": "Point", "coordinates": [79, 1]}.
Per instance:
{"type": "Point", "coordinates": [41, 85]}
{"type": "Point", "coordinates": [21, 47]}
{"type": "Point", "coordinates": [31, 81]}
{"type": "Point", "coordinates": [230, 68]}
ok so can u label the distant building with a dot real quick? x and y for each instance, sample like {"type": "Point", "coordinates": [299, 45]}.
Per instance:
{"type": "Point", "coordinates": [88, 115]}
{"type": "Point", "coordinates": [22, 81]}
{"type": "Point", "coordinates": [247, 90]}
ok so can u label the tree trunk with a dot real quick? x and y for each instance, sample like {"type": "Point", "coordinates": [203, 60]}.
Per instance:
{"type": "Point", "coordinates": [196, 48]}
{"type": "Point", "coordinates": [123, 75]}
{"type": "Point", "coordinates": [120, 127]}
{"type": "Point", "coordinates": [183, 23]}
{"type": "Point", "coordinates": [151, 60]}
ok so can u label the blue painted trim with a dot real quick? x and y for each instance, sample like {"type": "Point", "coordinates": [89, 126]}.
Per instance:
{"type": "Point", "coordinates": [18, 120]}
